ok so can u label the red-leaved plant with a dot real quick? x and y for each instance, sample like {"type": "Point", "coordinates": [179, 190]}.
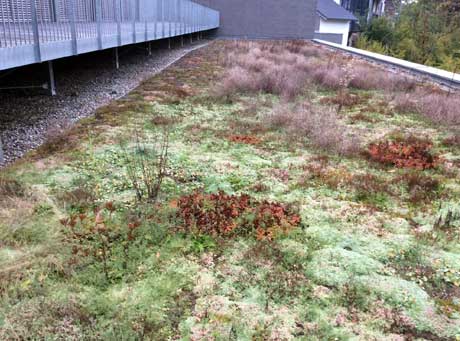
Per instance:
{"type": "Point", "coordinates": [225, 215]}
{"type": "Point", "coordinates": [411, 153]}
{"type": "Point", "coordinates": [100, 238]}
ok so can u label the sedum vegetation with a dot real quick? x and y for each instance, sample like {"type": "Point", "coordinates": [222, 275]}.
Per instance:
{"type": "Point", "coordinates": [252, 191]}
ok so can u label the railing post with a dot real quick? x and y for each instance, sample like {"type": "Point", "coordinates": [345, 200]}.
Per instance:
{"type": "Point", "coordinates": [169, 17]}
{"type": "Point", "coordinates": [179, 19]}
{"type": "Point", "coordinates": [162, 18]}
{"type": "Point", "coordinates": [33, 10]}
{"type": "Point", "coordinates": [118, 19]}
{"type": "Point", "coordinates": [133, 8]}
{"type": "Point", "coordinates": [146, 23]}
{"type": "Point", "coordinates": [176, 17]}
{"type": "Point", "coordinates": [73, 29]}
{"type": "Point", "coordinates": [155, 34]}
{"type": "Point", "coordinates": [98, 21]}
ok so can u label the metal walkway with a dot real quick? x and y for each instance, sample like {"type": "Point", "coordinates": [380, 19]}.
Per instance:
{"type": "Point", "coordinates": [34, 31]}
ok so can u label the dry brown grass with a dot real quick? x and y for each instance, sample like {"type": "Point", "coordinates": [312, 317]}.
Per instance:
{"type": "Point", "coordinates": [263, 75]}
{"type": "Point", "coordinates": [286, 68]}
{"type": "Point", "coordinates": [80, 198]}
{"type": "Point", "coordinates": [405, 103]}
{"type": "Point", "coordinates": [439, 107]}
{"type": "Point", "coordinates": [328, 76]}
{"type": "Point", "coordinates": [14, 213]}
{"type": "Point", "coordinates": [366, 77]}
{"type": "Point", "coordinates": [420, 187]}
{"type": "Point", "coordinates": [345, 99]}
{"type": "Point", "coordinates": [61, 137]}
{"type": "Point", "coordinates": [16, 207]}
{"type": "Point", "coordinates": [361, 117]}
{"type": "Point", "coordinates": [321, 125]}
{"type": "Point", "coordinates": [281, 68]}
{"type": "Point", "coordinates": [452, 141]}
{"type": "Point", "coordinates": [10, 188]}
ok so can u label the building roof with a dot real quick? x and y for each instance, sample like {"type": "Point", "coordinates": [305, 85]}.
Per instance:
{"type": "Point", "coordinates": [330, 10]}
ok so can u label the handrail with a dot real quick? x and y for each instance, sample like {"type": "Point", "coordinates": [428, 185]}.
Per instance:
{"type": "Point", "coordinates": [38, 22]}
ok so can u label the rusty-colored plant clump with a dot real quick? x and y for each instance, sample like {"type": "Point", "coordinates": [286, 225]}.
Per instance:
{"type": "Point", "coordinates": [245, 139]}
{"type": "Point", "coordinates": [225, 215]}
{"type": "Point", "coordinates": [411, 153]}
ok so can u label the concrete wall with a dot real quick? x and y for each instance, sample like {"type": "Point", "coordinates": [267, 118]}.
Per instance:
{"type": "Point", "coordinates": [265, 19]}
{"type": "Point", "coordinates": [330, 37]}
{"type": "Point", "coordinates": [335, 27]}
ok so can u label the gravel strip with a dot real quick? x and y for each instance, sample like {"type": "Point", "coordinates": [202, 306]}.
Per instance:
{"type": "Point", "coordinates": [25, 120]}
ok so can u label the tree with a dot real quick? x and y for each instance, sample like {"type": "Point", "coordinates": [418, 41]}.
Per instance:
{"type": "Point", "coordinates": [424, 31]}
{"type": "Point", "coordinates": [370, 11]}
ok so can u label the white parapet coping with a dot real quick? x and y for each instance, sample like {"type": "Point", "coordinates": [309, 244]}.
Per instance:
{"type": "Point", "coordinates": [445, 76]}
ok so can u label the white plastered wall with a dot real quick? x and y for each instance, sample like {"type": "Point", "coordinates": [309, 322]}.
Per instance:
{"type": "Point", "coordinates": [337, 27]}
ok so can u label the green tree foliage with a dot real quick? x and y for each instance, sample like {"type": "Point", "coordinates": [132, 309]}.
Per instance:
{"type": "Point", "coordinates": [425, 32]}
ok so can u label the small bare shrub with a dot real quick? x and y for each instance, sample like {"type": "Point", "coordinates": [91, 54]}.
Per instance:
{"type": "Point", "coordinates": [146, 164]}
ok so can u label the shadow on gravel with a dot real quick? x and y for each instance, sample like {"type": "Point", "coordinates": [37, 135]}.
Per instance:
{"type": "Point", "coordinates": [84, 83]}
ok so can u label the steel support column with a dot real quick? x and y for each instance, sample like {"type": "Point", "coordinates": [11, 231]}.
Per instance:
{"type": "Point", "coordinates": [116, 60]}
{"type": "Point", "coordinates": [2, 157]}
{"type": "Point", "coordinates": [51, 80]}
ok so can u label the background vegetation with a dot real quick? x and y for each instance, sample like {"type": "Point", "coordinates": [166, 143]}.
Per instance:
{"type": "Point", "coordinates": [425, 32]}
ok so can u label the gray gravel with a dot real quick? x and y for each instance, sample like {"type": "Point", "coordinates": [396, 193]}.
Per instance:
{"type": "Point", "coordinates": [25, 119]}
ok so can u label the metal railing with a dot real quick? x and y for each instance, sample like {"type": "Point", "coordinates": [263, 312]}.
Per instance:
{"type": "Point", "coordinates": [38, 22]}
